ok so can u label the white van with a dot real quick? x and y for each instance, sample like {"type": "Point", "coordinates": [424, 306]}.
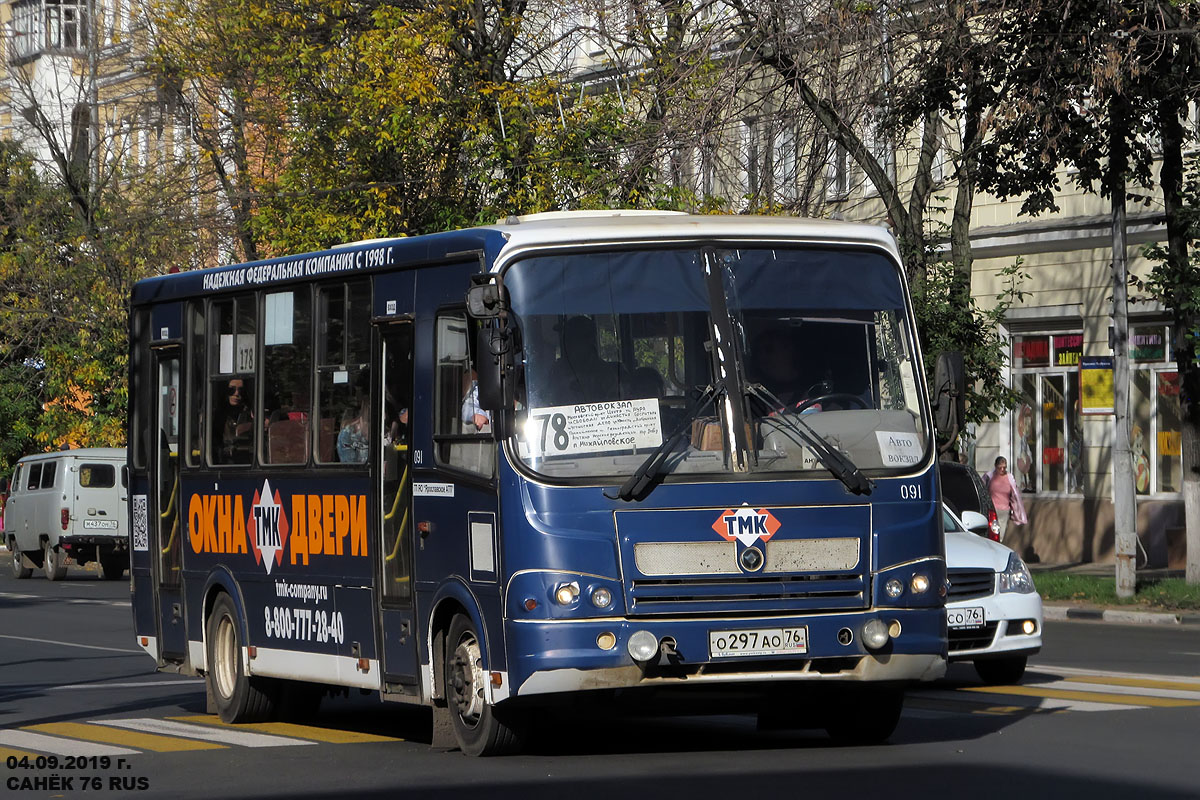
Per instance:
{"type": "Point", "coordinates": [68, 507]}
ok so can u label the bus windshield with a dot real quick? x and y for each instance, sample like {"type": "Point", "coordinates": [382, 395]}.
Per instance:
{"type": "Point", "coordinates": [617, 345]}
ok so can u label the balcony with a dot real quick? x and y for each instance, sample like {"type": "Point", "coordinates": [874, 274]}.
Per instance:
{"type": "Point", "coordinates": [41, 27]}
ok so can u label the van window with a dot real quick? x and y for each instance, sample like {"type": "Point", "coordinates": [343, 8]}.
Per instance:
{"type": "Point", "coordinates": [97, 476]}
{"type": "Point", "coordinates": [48, 473]}
{"type": "Point", "coordinates": [16, 484]}
{"type": "Point", "coordinates": [34, 478]}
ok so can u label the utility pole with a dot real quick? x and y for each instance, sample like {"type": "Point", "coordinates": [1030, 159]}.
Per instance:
{"type": "Point", "coordinates": [1124, 499]}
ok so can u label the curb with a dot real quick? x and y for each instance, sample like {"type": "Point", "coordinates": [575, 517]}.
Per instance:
{"type": "Point", "coordinates": [1119, 616]}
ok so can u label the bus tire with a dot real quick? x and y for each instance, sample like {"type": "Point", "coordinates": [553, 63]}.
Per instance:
{"type": "Point", "coordinates": [20, 570]}
{"type": "Point", "coordinates": [238, 697]}
{"type": "Point", "coordinates": [864, 715]}
{"type": "Point", "coordinates": [52, 564]}
{"type": "Point", "coordinates": [1001, 671]}
{"type": "Point", "coordinates": [480, 728]}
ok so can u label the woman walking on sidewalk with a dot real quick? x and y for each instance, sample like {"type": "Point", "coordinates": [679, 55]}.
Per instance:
{"type": "Point", "coordinates": [1006, 497]}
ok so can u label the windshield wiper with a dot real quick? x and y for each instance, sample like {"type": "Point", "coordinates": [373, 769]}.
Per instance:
{"type": "Point", "coordinates": [638, 484]}
{"type": "Point", "coordinates": [830, 457]}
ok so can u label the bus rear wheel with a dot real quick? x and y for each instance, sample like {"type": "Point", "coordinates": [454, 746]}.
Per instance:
{"type": "Point", "coordinates": [52, 564]}
{"type": "Point", "coordinates": [238, 697]}
{"type": "Point", "coordinates": [19, 568]}
{"type": "Point", "coordinates": [479, 727]}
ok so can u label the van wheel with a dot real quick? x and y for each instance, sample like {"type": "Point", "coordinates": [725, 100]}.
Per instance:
{"type": "Point", "coordinates": [52, 564]}
{"type": "Point", "coordinates": [19, 569]}
{"type": "Point", "coordinates": [239, 697]}
{"type": "Point", "coordinates": [113, 567]}
{"type": "Point", "coordinates": [479, 727]}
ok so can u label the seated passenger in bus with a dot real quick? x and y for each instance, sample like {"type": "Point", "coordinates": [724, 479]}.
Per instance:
{"type": "Point", "coordinates": [582, 375]}
{"type": "Point", "coordinates": [646, 382]}
{"type": "Point", "coordinates": [352, 440]}
{"type": "Point", "coordinates": [234, 425]}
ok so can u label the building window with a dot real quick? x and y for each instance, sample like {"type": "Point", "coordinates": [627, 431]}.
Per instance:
{"type": "Point", "coordinates": [1155, 414]}
{"type": "Point", "coordinates": [39, 25]}
{"type": "Point", "coordinates": [1047, 429]}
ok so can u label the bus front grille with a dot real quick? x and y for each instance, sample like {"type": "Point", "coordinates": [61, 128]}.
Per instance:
{"type": "Point", "coordinates": [748, 594]}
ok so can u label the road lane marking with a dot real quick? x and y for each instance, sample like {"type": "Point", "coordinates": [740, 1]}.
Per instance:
{"type": "Point", "coordinates": [203, 732]}
{"type": "Point", "coordinates": [63, 747]}
{"type": "Point", "coordinates": [1141, 683]}
{"type": "Point", "coordinates": [328, 735]}
{"type": "Point", "coordinates": [71, 644]}
{"type": "Point", "coordinates": [1086, 696]}
{"type": "Point", "coordinates": [107, 735]}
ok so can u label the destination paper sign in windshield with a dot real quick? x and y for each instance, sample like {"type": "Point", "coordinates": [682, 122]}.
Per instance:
{"type": "Point", "coordinates": [584, 428]}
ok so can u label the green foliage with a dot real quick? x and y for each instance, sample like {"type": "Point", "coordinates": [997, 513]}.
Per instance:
{"type": "Point", "coordinates": [949, 319]}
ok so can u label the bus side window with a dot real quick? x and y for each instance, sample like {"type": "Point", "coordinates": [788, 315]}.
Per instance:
{"type": "Point", "coordinates": [462, 430]}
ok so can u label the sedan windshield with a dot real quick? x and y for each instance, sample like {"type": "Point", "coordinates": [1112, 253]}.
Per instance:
{"type": "Point", "coordinates": [618, 346]}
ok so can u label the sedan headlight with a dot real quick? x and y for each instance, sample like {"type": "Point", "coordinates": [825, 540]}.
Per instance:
{"type": "Point", "coordinates": [1016, 577]}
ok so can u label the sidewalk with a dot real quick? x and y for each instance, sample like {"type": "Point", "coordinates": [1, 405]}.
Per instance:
{"type": "Point", "coordinates": [1060, 610]}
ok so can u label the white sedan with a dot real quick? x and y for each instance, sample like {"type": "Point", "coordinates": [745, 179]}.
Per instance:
{"type": "Point", "coordinates": [993, 613]}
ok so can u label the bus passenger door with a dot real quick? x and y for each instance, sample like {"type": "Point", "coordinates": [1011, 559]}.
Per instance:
{"type": "Point", "coordinates": [166, 534]}
{"type": "Point", "coordinates": [395, 523]}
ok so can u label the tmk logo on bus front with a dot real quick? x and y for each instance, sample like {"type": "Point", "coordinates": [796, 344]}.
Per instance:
{"type": "Point", "coordinates": [746, 525]}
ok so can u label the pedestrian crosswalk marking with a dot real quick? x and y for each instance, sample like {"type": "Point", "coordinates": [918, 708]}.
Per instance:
{"type": "Point", "coordinates": [203, 732]}
{"type": "Point", "coordinates": [1112, 698]}
{"type": "Point", "coordinates": [1033, 702]}
{"type": "Point", "coordinates": [108, 735]}
{"type": "Point", "coordinates": [1139, 683]}
{"type": "Point", "coordinates": [31, 740]}
{"type": "Point", "coordinates": [327, 735]}
{"type": "Point", "coordinates": [8, 752]}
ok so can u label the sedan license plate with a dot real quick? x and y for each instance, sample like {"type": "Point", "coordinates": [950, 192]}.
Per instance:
{"type": "Point", "coordinates": [965, 617]}
{"type": "Point", "coordinates": [760, 642]}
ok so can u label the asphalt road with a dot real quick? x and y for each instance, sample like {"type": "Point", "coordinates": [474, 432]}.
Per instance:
{"type": "Point", "coordinates": [1104, 711]}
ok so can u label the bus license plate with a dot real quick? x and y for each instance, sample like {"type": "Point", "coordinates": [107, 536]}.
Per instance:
{"type": "Point", "coordinates": [761, 642]}
{"type": "Point", "coordinates": [964, 617]}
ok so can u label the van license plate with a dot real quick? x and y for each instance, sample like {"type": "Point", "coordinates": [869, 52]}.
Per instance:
{"type": "Point", "coordinates": [99, 524]}
{"type": "Point", "coordinates": [965, 617]}
{"type": "Point", "coordinates": [759, 642]}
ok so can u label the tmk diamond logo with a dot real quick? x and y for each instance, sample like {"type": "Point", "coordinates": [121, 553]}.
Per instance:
{"type": "Point", "coordinates": [267, 527]}
{"type": "Point", "coordinates": [746, 525]}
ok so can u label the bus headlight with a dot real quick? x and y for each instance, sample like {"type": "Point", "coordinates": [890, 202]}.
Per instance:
{"type": "Point", "coordinates": [893, 588]}
{"type": "Point", "coordinates": [601, 597]}
{"type": "Point", "coordinates": [920, 583]}
{"type": "Point", "coordinates": [566, 593]}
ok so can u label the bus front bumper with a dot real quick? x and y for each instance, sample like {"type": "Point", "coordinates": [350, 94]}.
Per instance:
{"type": "Point", "coordinates": [566, 656]}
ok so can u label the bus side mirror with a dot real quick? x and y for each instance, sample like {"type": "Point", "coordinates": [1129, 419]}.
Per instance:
{"type": "Point", "coordinates": [950, 396]}
{"type": "Point", "coordinates": [486, 299]}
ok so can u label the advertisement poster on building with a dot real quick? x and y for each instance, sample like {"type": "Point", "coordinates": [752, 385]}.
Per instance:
{"type": "Point", "coordinates": [1096, 384]}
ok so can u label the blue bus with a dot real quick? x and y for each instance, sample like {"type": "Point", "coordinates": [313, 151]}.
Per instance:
{"type": "Point", "coordinates": [598, 455]}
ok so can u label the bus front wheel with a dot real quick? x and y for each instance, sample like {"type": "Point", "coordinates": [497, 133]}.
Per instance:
{"type": "Point", "coordinates": [239, 698]}
{"type": "Point", "coordinates": [479, 727]}
{"type": "Point", "coordinates": [865, 715]}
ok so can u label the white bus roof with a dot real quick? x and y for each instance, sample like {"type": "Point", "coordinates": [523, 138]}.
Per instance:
{"type": "Point", "coordinates": [569, 227]}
